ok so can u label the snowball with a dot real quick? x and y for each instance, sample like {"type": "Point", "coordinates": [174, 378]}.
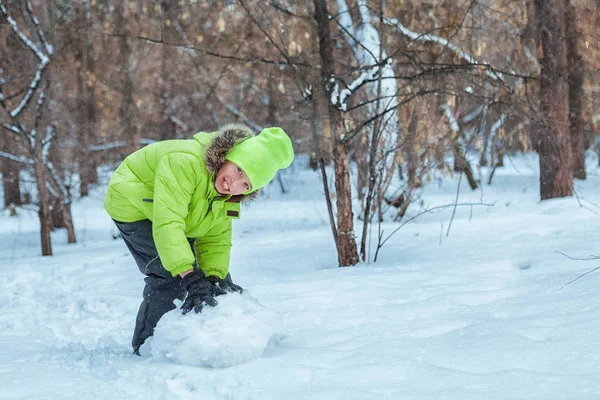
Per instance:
{"type": "Point", "coordinates": [236, 330]}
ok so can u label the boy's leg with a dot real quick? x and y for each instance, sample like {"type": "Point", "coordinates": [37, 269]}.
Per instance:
{"type": "Point", "coordinates": [161, 287]}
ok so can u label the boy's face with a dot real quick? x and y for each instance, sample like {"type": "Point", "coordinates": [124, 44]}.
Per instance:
{"type": "Point", "coordinates": [232, 180]}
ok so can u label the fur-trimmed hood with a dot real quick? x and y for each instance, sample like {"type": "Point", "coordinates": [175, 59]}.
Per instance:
{"type": "Point", "coordinates": [225, 139]}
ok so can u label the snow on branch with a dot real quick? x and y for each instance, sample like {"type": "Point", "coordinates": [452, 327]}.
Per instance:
{"type": "Point", "coordinates": [49, 136]}
{"type": "Point", "coordinates": [472, 115]}
{"type": "Point", "coordinates": [32, 87]}
{"type": "Point", "coordinates": [2, 82]}
{"type": "Point", "coordinates": [46, 143]}
{"type": "Point", "coordinates": [53, 192]}
{"type": "Point", "coordinates": [49, 48]}
{"type": "Point", "coordinates": [178, 122]}
{"type": "Point", "coordinates": [43, 57]}
{"type": "Point", "coordinates": [13, 128]}
{"type": "Point", "coordinates": [15, 27]}
{"type": "Point", "coordinates": [59, 183]}
{"type": "Point", "coordinates": [498, 124]}
{"type": "Point", "coordinates": [452, 121]}
{"type": "Point", "coordinates": [105, 146]}
{"type": "Point", "coordinates": [426, 37]}
{"type": "Point", "coordinates": [19, 159]}
{"type": "Point", "coordinates": [338, 97]}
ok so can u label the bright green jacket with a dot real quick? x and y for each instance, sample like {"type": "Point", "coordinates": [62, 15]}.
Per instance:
{"type": "Point", "coordinates": [168, 182]}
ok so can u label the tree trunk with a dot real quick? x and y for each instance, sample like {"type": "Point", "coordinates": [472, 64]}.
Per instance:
{"type": "Point", "coordinates": [67, 218]}
{"type": "Point", "coordinates": [168, 33]}
{"type": "Point", "coordinates": [346, 245]}
{"type": "Point", "coordinates": [553, 140]}
{"type": "Point", "coordinates": [576, 71]}
{"type": "Point", "coordinates": [412, 151]}
{"type": "Point", "coordinates": [11, 183]}
{"type": "Point", "coordinates": [44, 200]}
{"type": "Point", "coordinates": [346, 242]}
{"type": "Point", "coordinates": [87, 125]}
{"type": "Point", "coordinates": [129, 112]}
{"type": "Point", "coordinates": [461, 164]}
{"type": "Point", "coordinates": [319, 123]}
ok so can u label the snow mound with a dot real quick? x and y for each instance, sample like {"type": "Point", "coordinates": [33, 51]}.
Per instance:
{"type": "Point", "coordinates": [236, 330]}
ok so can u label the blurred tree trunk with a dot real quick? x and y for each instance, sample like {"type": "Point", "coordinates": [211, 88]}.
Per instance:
{"type": "Point", "coordinates": [40, 149]}
{"type": "Point", "coordinates": [10, 175]}
{"type": "Point", "coordinates": [345, 243]}
{"type": "Point", "coordinates": [129, 111]}
{"type": "Point", "coordinates": [552, 136]}
{"type": "Point", "coordinates": [60, 209]}
{"type": "Point", "coordinates": [8, 168]}
{"type": "Point", "coordinates": [44, 214]}
{"type": "Point", "coordinates": [168, 31]}
{"type": "Point", "coordinates": [576, 70]}
{"type": "Point", "coordinates": [87, 125]}
{"type": "Point", "coordinates": [41, 181]}
{"type": "Point", "coordinates": [10, 182]}
{"type": "Point", "coordinates": [31, 100]}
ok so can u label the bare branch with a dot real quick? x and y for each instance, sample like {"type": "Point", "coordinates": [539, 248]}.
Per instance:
{"type": "Point", "coordinates": [19, 159]}
{"type": "Point", "coordinates": [106, 146]}
{"type": "Point", "coordinates": [49, 48]}
{"type": "Point", "coordinates": [381, 243]}
{"type": "Point", "coordinates": [287, 12]}
{"type": "Point", "coordinates": [16, 129]}
{"type": "Point", "coordinates": [15, 27]}
{"type": "Point", "coordinates": [207, 52]}
{"type": "Point", "coordinates": [43, 57]}
{"type": "Point", "coordinates": [592, 257]}
{"type": "Point", "coordinates": [579, 277]}
{"type": "Point", "coordinates": [441, 41]}
{"type": "Point", "coordinates": [455, 203]}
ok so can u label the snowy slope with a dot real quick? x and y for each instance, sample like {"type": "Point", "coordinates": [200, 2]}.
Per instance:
{"type": "Point", "coordinates": [483, 313]}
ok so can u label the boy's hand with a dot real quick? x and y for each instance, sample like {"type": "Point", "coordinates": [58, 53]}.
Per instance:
{"type": "Point", "coordinates": [226, 283]}
{"type": "Point", "coordinates": [200, 292]}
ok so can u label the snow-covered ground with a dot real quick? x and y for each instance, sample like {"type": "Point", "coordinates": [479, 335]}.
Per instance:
{"type": "Point", "coordinates": [491, 311]}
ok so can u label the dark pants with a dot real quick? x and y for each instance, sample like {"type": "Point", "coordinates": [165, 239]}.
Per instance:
{"type": "Point", "coordinates": [161, 287]}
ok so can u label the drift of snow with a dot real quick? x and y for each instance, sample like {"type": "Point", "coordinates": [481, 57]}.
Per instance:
{"type": "Point", "coordinates": [494, 310]}
{"type": "Point", "coordinates": [238, 329]}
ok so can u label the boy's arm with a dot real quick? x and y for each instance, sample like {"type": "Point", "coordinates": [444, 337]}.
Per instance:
{"type": "Point", "coordinates": [213, 250]}
{"type": "Point", "coordinates": [174, 184]}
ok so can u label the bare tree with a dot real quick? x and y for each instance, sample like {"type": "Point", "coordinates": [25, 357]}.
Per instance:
{"type": "Point", "coordinates": [28, 118]}
{"type": "Point", "coordinates": [126, 20]}
{"type": "Point", "coordinates": [345, 241]}
{"type": "Point", "coordinates": [38, 137]}
{"type": "Point", "coordinates": [87, 125]}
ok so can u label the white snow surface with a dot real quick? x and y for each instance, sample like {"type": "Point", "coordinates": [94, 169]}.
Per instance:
{"type": "Point", "coordinates": [494, 310]}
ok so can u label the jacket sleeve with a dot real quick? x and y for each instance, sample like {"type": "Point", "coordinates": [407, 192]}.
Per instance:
{"type": "Point", "coordinates": [213, 250]}
{"type": "Point", "coordinates": [174, 185]}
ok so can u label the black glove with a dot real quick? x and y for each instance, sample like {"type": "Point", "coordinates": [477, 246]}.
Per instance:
{"type": "Point", "coordinates": [200, 291]}
{"type": "Point", "coordinates": [226, 284]}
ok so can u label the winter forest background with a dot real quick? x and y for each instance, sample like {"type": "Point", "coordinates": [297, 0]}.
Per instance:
{"type": "Point", "coordinates": [449, 149]}
{"type": "Point", "coordinates": [397, 90]}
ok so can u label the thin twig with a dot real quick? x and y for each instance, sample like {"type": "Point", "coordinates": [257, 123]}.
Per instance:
{"type": "Point", "coordinates": [428, 211]}
{"type": "Point", "coordinates": [580, 203]}
{"type": "Point", "coordinates": [455, 203]}
{"type": "Point", "coordinates": [591, 257]}
{"type": "Point", "coordinates": [579, 277]}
